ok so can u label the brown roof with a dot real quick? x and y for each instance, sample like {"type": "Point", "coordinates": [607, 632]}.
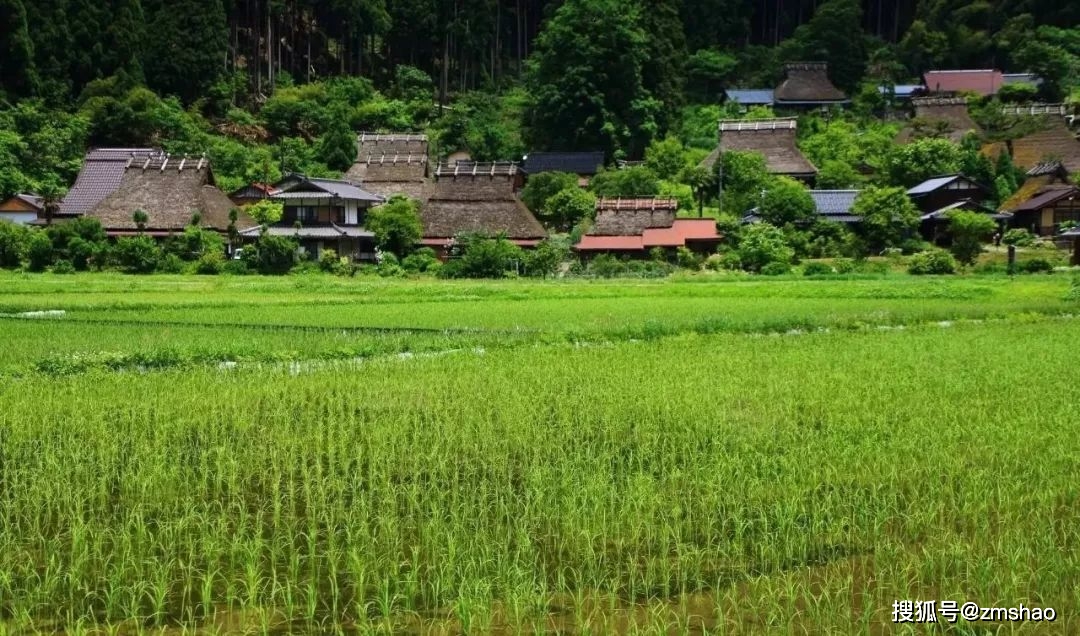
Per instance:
{"type": "Point", "coordinates": [981, 81]}
{"type": "Point", "coordinates": [807, 82]}
{"type": "Point", "coordinates": [1053, 142]}
{"type": "Point", "coordinates": [939, 117]}
{"type": "Point", "coordinates": [629, 217]}
{"type": "Point", "coordinates": [1039, 179]}
{"type": "Point", "coordinates": [387, 175]}
{"type": "Point", "coordinates": [484, 204]}
{"type": "Point", "coordinates": [773, 138]}
{"type": "Point", "coordinates": [99, 177]}
{"type": "Point", "coordinates": [1046, 197]}
{"type": "Point", "coordinates": [170, 190]}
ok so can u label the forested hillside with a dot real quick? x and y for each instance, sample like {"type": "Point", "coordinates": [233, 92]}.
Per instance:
{"type": "Point", "coordinates": [266, 86]}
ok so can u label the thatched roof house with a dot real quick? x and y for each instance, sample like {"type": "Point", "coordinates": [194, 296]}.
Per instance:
{"type": "Point", "coordinates": [1051, 141]}
{"type": "Point", "coordinates": [946, 117]}
{"type": "Point", "coordinates": [1040, 178]}
{"type": "Point", "coordinates": [773, 138]}
{"type": "Point", "coordinates": [626, 217]}
{"type": "Point", "coordinates": [807, 84]}
{"type": "Point", "coordinates": [477, 198]}
{"type": "Point", "coordinates": [391, 164]}
{"type": "Point", "coordinates": [170, 190]}
{"type": "Point", "coordinates": [99, 176]}
{"type": "Point", "coordinates": [633, 227]}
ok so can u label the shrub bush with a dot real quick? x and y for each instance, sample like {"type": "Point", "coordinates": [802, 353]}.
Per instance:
{"type": "Point", "coordinates": [139, 254]}
{"type": "Point", "coordinates": [1018, 237]}
{"type": "Point", "coordinates": [776, 268]}
{"type": "Point", "coordinates": [39, 251]}
{"type": "Point", "coordinates": [421, 260]}
{"type": "Point", "coordinates": [235, 268]}
{"type": "Point", "coordinates": [210, 264]}
{"type": "Point", "coordinates": [328, 260]}
{"type": "Point", "coordinates": [844, 265]}
{"type": "Point", "coordinates": [63, 267]}
{"type": "Point", "coordinates": [605, 266]}
{"type": "Point", "coordinates": [171, 264]}
{"type": "Point", "coordinates": [817, 269]}
{"type": "Point", "coordinates": [1036, 265]}
{"type": "Point", "coordinates": [687, 259]}
{"type": "Point", "coordinates": [932, 262]}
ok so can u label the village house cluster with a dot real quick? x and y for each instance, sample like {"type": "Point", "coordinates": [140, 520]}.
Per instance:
{"type": "Point", "coordinates": [458, 196]}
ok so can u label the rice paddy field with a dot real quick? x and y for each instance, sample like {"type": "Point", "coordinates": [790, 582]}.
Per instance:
{"type": "Point", "coordinates": [312, 455]}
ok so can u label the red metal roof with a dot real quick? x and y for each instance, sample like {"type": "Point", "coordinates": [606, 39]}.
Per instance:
{"type": "Point", "coordinates": [981, 81]}
{"type": "Point", "coordinates": [680, 232]}
{"type": "Point", "coordinates": [602, 243]}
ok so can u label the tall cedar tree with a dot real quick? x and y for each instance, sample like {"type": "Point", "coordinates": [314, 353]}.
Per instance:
{"type": "Point", "coordinates": [835, 35]}
{"type": "Point", "coordinates": [17, 76]}
{"type": "Point", "coordinates": [52, 48]}
{"type": "Point", "coordinates": [106, 39]}
{"type": "Point", "coordinates": [716, 23]}
{"type": "Point", "coordinates": [663, 70]}
{"type": "Point", "coordinates": [585, 80]}
{"type": "Point", "coordinates": [187, 53]}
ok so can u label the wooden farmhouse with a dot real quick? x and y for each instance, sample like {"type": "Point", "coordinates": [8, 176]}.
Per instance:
{"type": "Point", "coordinates": [772, 138]}
{"type": "Point", "coordinates": [22, 209]}
{"type": "Point", "coordinates": [391, 164]}
{"type": "Point", "coordinates": [324, 214]}
{"type": "Point", "coordinates": [937, 197]}
{"type": "Point", "coordinates": [944, 117]}
{"type": "Point", "coordinates": [1045, 213]}
{"type": "Point", "coordinates": [477, 198]}
{"type": "Point", "coordinates": [634, 227]}
{"type": "Point", "coordinates": [171, 191]}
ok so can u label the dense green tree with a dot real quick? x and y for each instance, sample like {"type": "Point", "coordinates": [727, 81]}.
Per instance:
{"type": "Point", "coordinates": [186, 54]}
{"type": "Point", "coordinates": [541, 187]}
{"type": "Point", "coordinates": [707, 72]}
{"type": "Point", "coordinates": [835, 35]}
{"type": "Point", "coordinates": [913, 163]}
{"type": "Point", "coordinates": [761, 244]}
{"type": "Point", "coordinates": [787, 201]}
{"type": "Point", "coordinates": [662, 73]}
{"type": "Point", "coordinates": [107, 39]}
{"type": "Point", "coordinates": [18, 77]}
{"type": "Point", "coordinates": [888, 216]}
{"type": "Point", "coordinates": [968, 230]}
{"type": "Point", "coordinates": [396, 225]}
{"type": "Point", "coordinates": [585, 80]}
{"type": "Point", "coordinates": [666, 158]}
{"type": "Point", "coordinates": [745, 178]}
{"type": "Point", "coordinates": [13, 240]}
{"type": "Point", "coordinates": [636, 181]}
{"type": "Point", "coordinates": [337, 146]}
{"type": "Point", "coordinates": [568, 207]}
{"type": "Point", "coordinates": [710, 23]}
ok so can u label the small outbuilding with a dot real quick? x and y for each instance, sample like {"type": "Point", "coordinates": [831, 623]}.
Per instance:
{"type": "Point", "coordinates": [22, 209]}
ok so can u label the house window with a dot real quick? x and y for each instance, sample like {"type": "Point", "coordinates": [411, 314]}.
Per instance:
{"type": "Point", "coordinates": [305, 213]}
{"type": "Point", "coordinates": [337, 215]}
{"type": "Point", "coordinates": [1066, 216]}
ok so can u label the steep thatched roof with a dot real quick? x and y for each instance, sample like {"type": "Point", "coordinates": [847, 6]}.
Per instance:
{"type": "Point", "coordinates": [170, 190]}
{"type": "Point", "coordinates": [377, 144]}
{"type": "Point", "coordinates": [939, 117]}
{"type": "Point", "coordinates": [1040, 178]}
{"type": "Point", "coordinates": [483, 203]}
{"type": "Point", "coordinates": [100, 176]}
{"type": "Point", "coordinates": [391, 164]}
{"type": "Point", "coordinates": [1052, 142]}
{"type": "Point", "coordinates": [628, 217]}
{"type": "Point", "coordinates": [773, 138]}
{"type": "Point", "coordinates": [807, 83]}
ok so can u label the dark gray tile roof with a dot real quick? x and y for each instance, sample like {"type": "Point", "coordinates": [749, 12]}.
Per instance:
{"type": "Point", "coordinates": [751, 96]}
{"type": "Point", "coordinates": [100, 176]}
{"type": "Point", "coordinates": [834, 202]}
{"type": "Point", "coordinates": [572, 162]}
{"type": "Point", "coordinates": [311, 187]}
